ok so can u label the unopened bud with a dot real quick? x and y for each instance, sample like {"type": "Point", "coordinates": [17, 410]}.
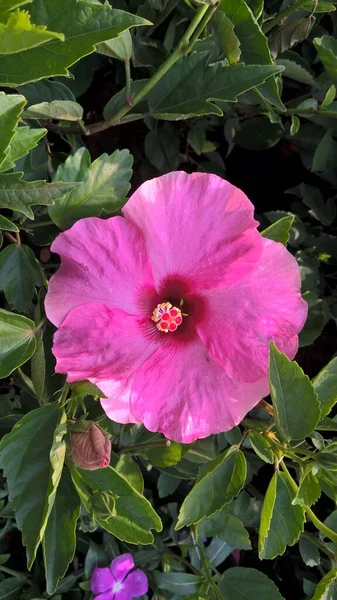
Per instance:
{"type": "Point", "coordinates": [91, 449]}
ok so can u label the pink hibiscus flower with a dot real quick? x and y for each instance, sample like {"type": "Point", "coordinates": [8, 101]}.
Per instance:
{"type": "Point", "coordinates": [119, 581]}
{"type": "Point", "coordinates": [170, 311]}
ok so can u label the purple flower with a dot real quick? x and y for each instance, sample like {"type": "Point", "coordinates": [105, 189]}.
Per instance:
{"type": "Point", "coordinates": [119, 581]}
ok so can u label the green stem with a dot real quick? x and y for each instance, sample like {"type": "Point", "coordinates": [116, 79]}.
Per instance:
{"type": "Point", "coordinates": [204, 561]}
{"type": "Point", "coordinates": [310, 111]}
{"type": "Point", "coordinates": [128, 99]}
{"type": "Point", "coordinates": [332, 535]}
{"type": "Point", "coordinates": [181, 50]}
{"type": "Point", "coordinates": [15, 574]}
{"type": "Point", "coordinates": [144, 446]}
{"type": "Point", "coordinates": [203, 23]}
{"type": "Point", "coordinates": [40, 325]}
{"type": "Point", "coordinates": [282, 15]}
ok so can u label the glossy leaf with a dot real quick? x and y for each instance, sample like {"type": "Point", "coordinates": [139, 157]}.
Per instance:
{"type": "Point", "coordinates": [17, 341]}
{"type": "Point", "coordinates": [279, 231]}
{"type": "Point", "coordinates": [19, 195]}
{"type": "Point", "coordinates": [327, 587]}
{"type": "Point", "coordinates": [32, 458]}
{"type": "Point", "coordinates": [18, 34]}
{"type": "Point", "coordinates": [24, 140]}
{"type": "Point", "coordinates": [240, 582]}
{"type": "Point", "coordinates": [134, 516]}
{"type": "Point", "coordinates": [274, 536]}
{"type": "Point", "coordinates": [83, 24]}
{"type": "Point", "coordinates": [165, 456]}
{"type": "Point", "coordinates": [261, 447]}
{"type": "Point", "coordinates": [65, 110]}
{"type": "Point", "coordinates": [19, 274]}
{"type": "Point", "coordinates": [59, 540]}
{"type": "Point", "coordinates": [11, 107]}
{"type": "Point", "coordinates": [103, 191]}
{"type": "Point", "coordinates": [297, 409]}
{"type": "Point", "coordinates": [253, 44]}
{"type": "Point", "coordinates": [326, 47]}
{"type": "Point", "coordinates": [217, 486]}
{"type": "Point", "coordinates": [325, 385]}
{"type": "Point", "coordinates": [192, 87]}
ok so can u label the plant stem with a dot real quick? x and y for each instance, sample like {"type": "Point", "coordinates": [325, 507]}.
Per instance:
{"type": "Point", "coordinates": [40, 325]}
{"type": "Point", "coordinates": [332, 535]}
{"type": "Point", "coordinates": [310, 111]}
{"type": "Point", "coordinates": [282, 15]}
{"type": "Point", "coordinates": [128, 98]}
{"type": "Point", "coordinates": [204, 562]}
{"type": "Point", "coordinates": [145, 446]}
{"type": "Point", "coordinates": [15, 574]}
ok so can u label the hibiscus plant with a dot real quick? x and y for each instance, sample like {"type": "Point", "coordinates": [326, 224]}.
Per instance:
{"type": "Point", "coordinates": [168, 266]}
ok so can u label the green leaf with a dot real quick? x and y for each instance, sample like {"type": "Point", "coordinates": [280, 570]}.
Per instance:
{"type": "Point", "coordinates": [309, 490]}
{"type": "Point", "coordinates": [162, 148]}
{"type": "Point", "coordinates": [290, 34]}
{"type": "Point", "coordinates": [327, 587]}
{"type": "Point", "coordinates": [7, 5]}
{"type": "Point", "coordinates": [225, 36]}
{"type": "Point", "coordinates": [181, 584]}
{"type": "Point", "coordinates": [7, 225]}
{"type": "Point", "coordinates": [84, 24]}
{"type": "Point", "coordinates": [129, 469]}
{"type": "Point", "coordinates": [279, 231]}
{"type": "Point", "coordinates": [217, 486]}
{"type": "Point", "coordinates": [261, 447]}
{"type": "Point", "coordinates": [312, 197]}
{"type": "Point", "coordinates": [315, 319]}
{"type": "Point", "coordinates": [253, 44]}
{"type": "Point", "coordinates": [120, 47]}
{"type": "Point", "coordinates": [327, 457]}
{"type": "Point", "coordinates": [19, 274]}
{"type": "Point", "coordinates": [325, 386]}
{"type": "Point", "coordinates": [281, 521]}
{"type": "Point", "coordinates": [134, 516]}
{"type": "Point", "coordinates": [32, 458]}
{"type": "Point", "coordinates": [309, 552]}
{"type": "Point", "coordinates": [17, 341]}
{"type": "Point", "coordinates": [118, 100]}
{"type": "Point", "coordinates": [239, 583]}
{"type": "Point", "coordinates": [164, 456]}
{"type": "Point", "coordinates": [321, 7]}
{"type": "Point", "coordinates": [227, 527]}
{"type": "Point", "coordinates": [296, 71]}
{"type": "Point", "coordinates": [11, 107]}
{"type": "Point", "coordinates": [19, 34]}
{"type": "Point", "coordinates": [329, 97]}
{"type": "Point", "coordinates": [297, 409]}
{"type": "Point", "coordinates": [86, 388]}
{"type": "Point", "coordinates": [65, 110]}
{"type": "Point", "coordinates": [326, 47]}
{"type": "Point", "coordinates": [24, 140]}
{"type": "Point", "coordinates": [325, 153]}
{"type": "Point", "coordinates": [59, 540]}
{"type": "Point", "coordinates": [20, 195]}
{"type": "Point", "coordinates": [103, 190]}
{"type": "Point", "coordinates": [45, 91]}
{"type": "Point", "coordinates": [10, 588]}
{"type": "Point", "coordinates": [75, 166]}
{"type": "Point", "coordinates": [192, 87]}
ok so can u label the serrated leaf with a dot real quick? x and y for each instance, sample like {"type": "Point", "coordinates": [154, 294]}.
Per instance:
{"type": "Point", "coordinates": [325, 156]}
{"type": "Point", "coordinates": [19, 34]}
{"type": "Point", "coordinates": [10, 588]}
{"type": "Point", "coordinates": [309, 552]}
{"type": "Point", "coordinates": [239, 583]}
{"type": "Point", "coordinates": [134, 516]}
{"type": "Point", "coordinates": [326, 47]}
{"type": "Point", "coordinates": [11, 107]}
{"type": "Point", "coordinates": [290, 34]}
{"type": "Point", "coordinates": [325, 385]}
{"type": "Point", "coordinates": [103, 190]}
{"type": "Point", "coordinates": [17, 341]}
{"type": "Point", "coordinates": [329, 97]}
{"type": "Point", "coordinates": [192, 87]}
{"type": "Point", "coordinates": [227, 527]}
{"type": "Point", "coordinates": [19, 195]}
{"type": "Point", "coordinates": [309, 490]}
{"type": "Point", "coordinates": [120, 47]}
{"type": "Point", "coordinates": [59, 541]}
{"type": "Point", "coordinates": [216, 487]}
{"type": "Point", "coordinates": [24, 140]}
{"type": "Point", "coordinates": [32, 457]}
{"type": "Point", "coordinates": [253, 44]}
{"type": "Point", "coordinates": [64, 110]}
{"type": "Point", "coordinates": [297, 409]}
{"type": "Point", "coordinates": [261, 447]}
{"type": "Point", "coordinates": [281, 521]}
{"type": "Point", "coordinates": [75, 166]}
{"type": "Point", "coordinates": [279, 231]}
{"type": "Point", "coordinates": [327, 587]}
{"type": "Point", "coordinates": [227, 40]}
{"type": "Point", "coordinates": [84, 24]}
{"type": "Point", "coordinates": [19, 274]}
{"type": "Point", "coordinates": [295, 71]}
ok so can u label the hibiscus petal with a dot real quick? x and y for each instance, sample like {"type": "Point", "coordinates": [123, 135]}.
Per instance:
{"type": "Point", "coordinates": [242, 320]}
{"type": "Point", "coordinates": [98, 342]}
{"type": "Point", "coordinates": [136, 583]}
{"type": "Point", "coordinates": [185, 395]}
{"type": "Point", "coordinates": [121, 566]}
{"type": "Point", "coordinates": [103, 261]}
{"type": "Point", "coordinates": [101, 581]}
{"type": "Point", "coordinates": [199, 227]}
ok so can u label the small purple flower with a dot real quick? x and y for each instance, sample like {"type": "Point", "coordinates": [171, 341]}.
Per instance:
{"type": "Point", "coordinates": [119, 581]}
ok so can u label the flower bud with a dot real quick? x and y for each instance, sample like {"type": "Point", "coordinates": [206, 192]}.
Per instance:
{"type": "Point", "coordinates": [91, 449]}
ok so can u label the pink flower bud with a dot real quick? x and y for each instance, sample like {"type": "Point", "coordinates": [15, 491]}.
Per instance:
{"type": "Point", "coordinates": [91, 449]}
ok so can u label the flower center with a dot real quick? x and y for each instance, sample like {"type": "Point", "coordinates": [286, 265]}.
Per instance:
{"type": "Point", "coordinates": [167, 317]}
{"type": "Point", "coordinates": [117, 587]}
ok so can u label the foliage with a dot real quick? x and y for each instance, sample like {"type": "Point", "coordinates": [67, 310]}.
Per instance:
{"type": "Point", "coordinates": [245, 89]}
